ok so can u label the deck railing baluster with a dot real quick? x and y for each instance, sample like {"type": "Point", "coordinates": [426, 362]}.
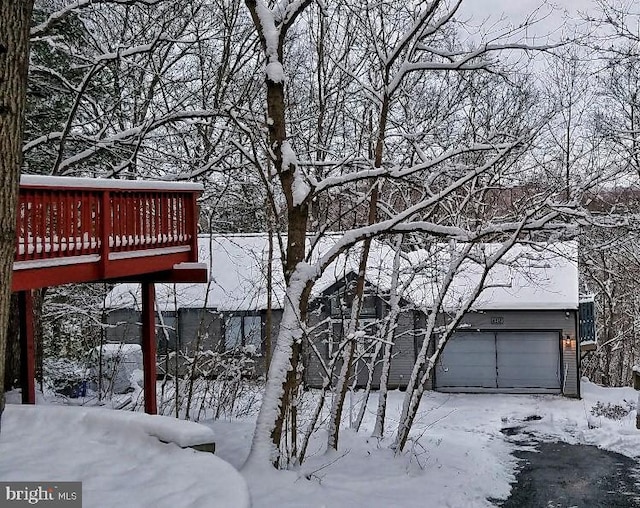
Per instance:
{"type": "Point", "coordinates": [103, 225]}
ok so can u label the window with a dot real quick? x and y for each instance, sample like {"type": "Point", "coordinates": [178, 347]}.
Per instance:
{"type": "Point", "coordinates": [166, 337]}
{"type": "Point", "coordinates": [243, 331]}
{"type": "Point", "coordinates": [365, 343]}
{"type": "Point", "coordinates": [586, 320]}
{"type": "Point", "coordinates": [369, 307]}
{"type": "Point", "coordinates": [233, 332]}
{"type": "Point", "coordinates": [341, 306]}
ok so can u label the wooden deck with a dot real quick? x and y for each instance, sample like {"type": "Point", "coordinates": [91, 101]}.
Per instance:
{"type": "Point", "coordinates": [80, 230]}
{"type": "Point", "coordinates": [72, 230]}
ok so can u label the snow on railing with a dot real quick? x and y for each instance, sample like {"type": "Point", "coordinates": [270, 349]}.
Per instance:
{"type": "Point", "coordinates": [67, 217]}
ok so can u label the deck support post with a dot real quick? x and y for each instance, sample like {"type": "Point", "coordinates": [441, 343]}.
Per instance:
{"type": "Point", "coordinates": [149, 347]}
{"type": "Point", "coordinates": [27, 348]}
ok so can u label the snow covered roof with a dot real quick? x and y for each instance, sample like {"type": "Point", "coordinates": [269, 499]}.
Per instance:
{"type": "Point", "coordinates": [237, 278]}
{"type": "Point", "coordinates": [529, 277]}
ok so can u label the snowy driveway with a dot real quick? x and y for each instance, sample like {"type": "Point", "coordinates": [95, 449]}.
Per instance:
{"type": "Point", "coordinates": [563, 475]}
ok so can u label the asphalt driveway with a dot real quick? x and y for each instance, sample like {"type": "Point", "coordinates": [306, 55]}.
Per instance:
{"type": "Point", "coordinates": [561, 475]}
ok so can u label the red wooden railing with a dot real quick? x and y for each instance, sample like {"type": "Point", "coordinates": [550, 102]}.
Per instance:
{"type": "Point", "coordinates": [62, 221]}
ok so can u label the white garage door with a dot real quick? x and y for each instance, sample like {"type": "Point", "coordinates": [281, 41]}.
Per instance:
{"type": "Point", "coordinates": [525, 362]}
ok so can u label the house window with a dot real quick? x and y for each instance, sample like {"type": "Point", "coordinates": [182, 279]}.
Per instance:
{"type": "Point", "coordinates": [243, 331]}
{"type": "Point", "coordinates": [341, 306]}
{"type": "Point", "coordinates": [586, 320]}
{"type": "Point", "coordinates": [366, 345]}
{"type": "Point", "coordinates": [167, 335]}
{"type": "Point", "coordinates": [369, 307]}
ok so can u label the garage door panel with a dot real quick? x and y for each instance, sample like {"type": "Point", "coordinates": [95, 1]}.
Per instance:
{"type": "Point", "coordinates": [468, 360]}
{"type": "Point", "coordinates": [528, 360]}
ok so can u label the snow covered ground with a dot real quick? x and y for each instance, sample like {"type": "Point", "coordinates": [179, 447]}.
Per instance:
{"type": "Point", "coordinates": [115, 456]}
{"type": "Point", "coordinates": [459, 456]}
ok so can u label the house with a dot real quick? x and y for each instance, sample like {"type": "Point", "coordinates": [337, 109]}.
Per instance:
{"type": "Point", "coordinates": [519, 335]}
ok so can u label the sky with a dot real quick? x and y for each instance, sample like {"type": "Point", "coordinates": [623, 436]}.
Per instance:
{"type": "Point", "coordinates": [516, 11]}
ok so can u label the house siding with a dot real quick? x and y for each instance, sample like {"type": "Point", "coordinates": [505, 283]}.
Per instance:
{"type": "Point", "coordinates": [313, 373]}
{"type": "Point", "coordinates": [125, 326]}
{"type": "Point", "coordinates": [403, 351]}
{"type": "Point", "coordinates": [420, 325]}
{"type": "Point", "coordinates": [208, 324]}
{"type": "Point", "coordinates": [203, 323]}
{"type": "Point", "coordinates": [409, 338]}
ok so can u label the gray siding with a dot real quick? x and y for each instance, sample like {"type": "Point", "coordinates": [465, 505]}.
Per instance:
{"type": "Point", "coordinates": [411, 324]}
{"type": "Point", "coordinates": [313, 372]}
{"type": "Point", "coordinates": [193, 325]}
{"type": "Point", "coordinates": [420, 320]}
{"type": "Point", "coordinates": [128, 327]}
{"type": "Point", "coordinates": [404, 355]}
{"type": "Point", "coordinates": [276, 318]}
{"type": "Point", "coordinates": [322, 336]}
{"type": "Point", "coordinates": [409, 340]}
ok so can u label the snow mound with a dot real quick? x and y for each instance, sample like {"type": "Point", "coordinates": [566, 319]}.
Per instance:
{"type": "Point", "coordinates": [165, 428]}
{"type": "Point", "coordinates": [118, 458]}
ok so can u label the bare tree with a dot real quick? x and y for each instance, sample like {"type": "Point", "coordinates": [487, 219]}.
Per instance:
{"type": "Point", "coordinates": [609, 243]}
{"type": "Point", "coordinates": [139, 88]}
{"type": "Point", "coordinates": [419, 44]}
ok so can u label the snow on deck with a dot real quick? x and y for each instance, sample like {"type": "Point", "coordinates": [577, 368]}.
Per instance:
{"type": "Point", "coordinates": [118, 458]}
{"type": "Point", "coordinates": [103, 183]}
{"type": "Point", "coordinates": [165, 428]}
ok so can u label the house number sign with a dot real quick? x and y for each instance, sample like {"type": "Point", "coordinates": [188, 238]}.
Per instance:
{"type": "Point", "coordinates": [497, 320]}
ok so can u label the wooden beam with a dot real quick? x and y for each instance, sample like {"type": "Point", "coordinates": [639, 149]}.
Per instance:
{"type": "Point", "coordinates": [189, 273]}
{"type": "Point", "coordinates": [27, 348]}
{"type": "Point", "coordinates": [157, 268]}
{"type": "Point", "coordinates": [149, 347]}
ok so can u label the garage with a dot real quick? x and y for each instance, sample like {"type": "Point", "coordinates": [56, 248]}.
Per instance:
{"type": "Point", "coordinates": [501, 361]}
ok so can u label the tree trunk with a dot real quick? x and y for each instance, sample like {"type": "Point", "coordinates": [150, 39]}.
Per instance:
{"type": "Point", "coordinates": [392, 321]}
{"type": "Point", "coordinates": [283, 376]}
{"type": "Point", "coordinates": [15, 18]}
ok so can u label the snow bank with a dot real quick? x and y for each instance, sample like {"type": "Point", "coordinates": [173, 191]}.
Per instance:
{"type": "Point", "coordinates": [166, 429]}
{"type": "Point", "coordinates": [115, 456]}
{"type": "Point", "coordinates": [120, 366]}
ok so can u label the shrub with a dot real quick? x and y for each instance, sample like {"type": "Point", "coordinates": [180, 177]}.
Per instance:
{"type": "Point", "coordinates": [612, 411]}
